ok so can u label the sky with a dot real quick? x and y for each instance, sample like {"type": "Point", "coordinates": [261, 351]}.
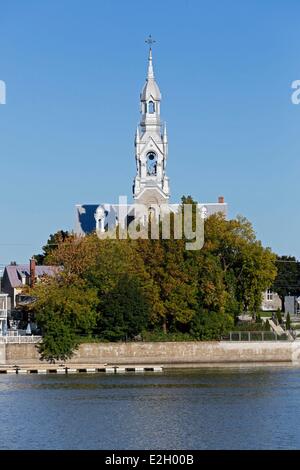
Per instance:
{"type": "Point", "coordinates": [73, 71]}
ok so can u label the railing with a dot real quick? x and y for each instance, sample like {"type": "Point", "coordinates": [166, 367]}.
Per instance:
{"type": "Point", "coordinates": [20, 339]}
{"type": "Point", "coordinates": [256, 336]}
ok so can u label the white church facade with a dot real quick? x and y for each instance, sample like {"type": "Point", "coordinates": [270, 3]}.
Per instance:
{"type": "Point", "coordinates": [151, 187]}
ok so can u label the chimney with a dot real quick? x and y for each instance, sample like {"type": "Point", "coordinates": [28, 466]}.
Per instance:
{"type": "Point", "coordinates": [32, 272]}
{"type": "Point", "coordinates": [221, 199]}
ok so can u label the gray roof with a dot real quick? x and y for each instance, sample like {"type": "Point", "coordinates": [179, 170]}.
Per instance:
{"type": "Point", "coordinates": [15, 273]}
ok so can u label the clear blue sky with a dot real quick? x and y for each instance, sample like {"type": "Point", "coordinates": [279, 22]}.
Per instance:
{"type": "Point", "coordinates": [74, 70]}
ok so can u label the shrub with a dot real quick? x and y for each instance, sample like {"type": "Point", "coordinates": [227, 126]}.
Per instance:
{"type": "Point", "coordinates": [279, 316]}
{"type": "Point", "coordinates": [210, 325]}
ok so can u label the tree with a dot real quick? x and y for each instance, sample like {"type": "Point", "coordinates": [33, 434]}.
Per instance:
{"type": "Point", "coordinates": [63, 311]}
{"type": "Point", "coordinates": [106, 286]}
{"type": "Point", "coordinates": [210, 325]}
{"type": "Point", "coordinates": [288, 322]}
{"type": "Point", "coordinates": [59, 338]}
{"type": "Point", "coordinates": [125, 311]}
{"type": "Point", "coordinates": [249, 268]}
{"type": "Point", "coordinates": [165, 261]}
{"type": "Point", "coordinates": [53, 242]}
{"type": "Point", "coordinates": [287, 281]}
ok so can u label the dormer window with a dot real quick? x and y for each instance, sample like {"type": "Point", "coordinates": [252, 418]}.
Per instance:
{"type": "Point", "coordinates": [151, 107]}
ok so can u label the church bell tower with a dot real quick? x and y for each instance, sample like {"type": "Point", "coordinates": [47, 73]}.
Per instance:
{"type": "Point", "coordinates": [151, 185]}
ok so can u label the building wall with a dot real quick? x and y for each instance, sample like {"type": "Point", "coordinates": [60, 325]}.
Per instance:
{"type": "Point", "coordinates": [271, 305]}
{"type": "Point", "coordinates": [170, 354]}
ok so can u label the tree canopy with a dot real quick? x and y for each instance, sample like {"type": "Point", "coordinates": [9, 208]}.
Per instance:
{"type": "Point", "coordinates": [118, 289]}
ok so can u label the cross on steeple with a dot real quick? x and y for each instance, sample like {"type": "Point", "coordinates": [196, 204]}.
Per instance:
{"type": "Point", "coordinates": [150, 40]}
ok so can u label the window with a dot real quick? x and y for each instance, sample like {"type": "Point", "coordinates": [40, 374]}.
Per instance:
{"type": "Point", "coordinates": [269, 295]}
{"type": "Point", "coordinates": [151, 107]}
{"type": "Point", "coordinates": [151, 164]}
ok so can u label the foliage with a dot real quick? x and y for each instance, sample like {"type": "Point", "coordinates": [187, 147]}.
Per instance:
{"type": "Point", "coordinates": [279, 316]}
{"type": "Point", "coordinates": [287, 281]}
{"type": "Point", "coordinates": [288, 322]}
{"type": "Point", "coordinates": [118, 289]}
{"type": "Point", "coordinates": [211, 325]}
{"type": "Point", "coordinates": [250, 326]}
{"type": "Point", "coordinates": [125, 311]}
{"type": "Point", "coordinates": [159, 335]}
{"type": "Point", "coordinates": [59, 339]}
{"type": "Point", "coordinates": [248, 268]}
{"type": "Point", "coordinates": [267, 326]}
{"type": "Point", "coordinates": [63, 311]}
{"type": "Point", "coordinates": [52, 244]}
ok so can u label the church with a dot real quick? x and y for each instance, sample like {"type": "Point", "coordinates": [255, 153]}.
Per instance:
{"type": "Point", "coordinates": [151, 186]}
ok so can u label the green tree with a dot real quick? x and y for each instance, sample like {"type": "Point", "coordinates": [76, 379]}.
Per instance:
{"type": "Point", "coordinates": [165, 261]}
{"type": "Point", "coordinates": [63, 311]}
{"type": "Point", "coordinates": [59, 338]}
{"type": "Point", "coordinates": [125, 311]}
{"type": "Point", "coordinates": [210, 325]}
{"type": "Point", "coordinates": [248, 267]}
{"type": "Point", "coordinates": [288, 322]}
{"type": "Point", "coordinates": [287, 281]}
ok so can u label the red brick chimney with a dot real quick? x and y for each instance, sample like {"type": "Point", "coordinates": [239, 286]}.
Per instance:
{"type": "Point", "coordinates": [221, 199]}
{"type": "Point", "coordinates": [32, 272]}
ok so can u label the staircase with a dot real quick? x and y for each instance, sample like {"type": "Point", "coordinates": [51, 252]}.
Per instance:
{"type": "Point", "coordinates": [278, 329]}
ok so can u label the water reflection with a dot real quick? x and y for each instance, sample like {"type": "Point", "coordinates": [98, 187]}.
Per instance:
{"type": "Point", "coordinates": [215, 408]}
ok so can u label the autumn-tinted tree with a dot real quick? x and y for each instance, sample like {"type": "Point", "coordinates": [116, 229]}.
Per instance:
{"type": "Point", "coordinates": [52, 244]}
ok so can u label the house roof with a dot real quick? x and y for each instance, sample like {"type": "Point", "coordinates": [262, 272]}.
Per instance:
{"type": "Point", "coordinates": [16, 272]}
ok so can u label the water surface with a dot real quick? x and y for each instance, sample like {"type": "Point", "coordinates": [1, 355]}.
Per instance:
{"type": "Point", "coordinates": [215, 408]}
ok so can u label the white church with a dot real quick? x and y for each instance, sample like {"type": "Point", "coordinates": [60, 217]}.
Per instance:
{"type": "Point", "coordinates": [151, 187]}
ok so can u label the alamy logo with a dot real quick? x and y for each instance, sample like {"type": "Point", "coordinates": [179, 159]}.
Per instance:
{"type": "Point", "coordinates": [2, 92]}
{"type": "Point", "coordinates": [155, 222]}
{"type": "Point", "coordinates": [296, 94]}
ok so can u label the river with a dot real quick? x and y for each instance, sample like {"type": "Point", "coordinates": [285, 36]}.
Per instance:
{"type": "Point", "coordinates": [213, 408]}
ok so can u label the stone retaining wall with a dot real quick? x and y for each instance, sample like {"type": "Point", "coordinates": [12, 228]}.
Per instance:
{"type": "Point", "coordinates": [164, 353]}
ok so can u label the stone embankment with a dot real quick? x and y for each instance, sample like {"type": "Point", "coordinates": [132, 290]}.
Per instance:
{"type": "Point", "coordinates": [159, 354]}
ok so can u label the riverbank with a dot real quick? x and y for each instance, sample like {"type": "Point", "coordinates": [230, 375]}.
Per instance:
{"type": "Point", "coordinates": [165, 354]}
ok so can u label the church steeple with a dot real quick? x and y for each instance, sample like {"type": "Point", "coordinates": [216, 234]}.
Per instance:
{"type": "Point", "coordinates": [151, 185]}
{"type": "Point", "coordinates": [150, 74]}
{"type": "Point", "coordinates": [150, 99]}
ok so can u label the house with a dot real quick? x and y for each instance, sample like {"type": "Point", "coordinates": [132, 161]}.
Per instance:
{"type": "Point", "coordinates": [17, 276]}
{"type": "Point", "coordinates": [271, 301]}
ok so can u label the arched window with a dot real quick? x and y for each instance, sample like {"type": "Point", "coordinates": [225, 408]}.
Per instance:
{"type": "Point", "coordinates": [151, 107]}
{"type": "Point", "coordinates": [151, 164]}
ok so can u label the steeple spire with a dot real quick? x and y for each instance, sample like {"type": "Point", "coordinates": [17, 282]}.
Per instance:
{"type": "Point", "coordinates": [150, 41]}
{"type": "Point", "coordinates": [150, 75]}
